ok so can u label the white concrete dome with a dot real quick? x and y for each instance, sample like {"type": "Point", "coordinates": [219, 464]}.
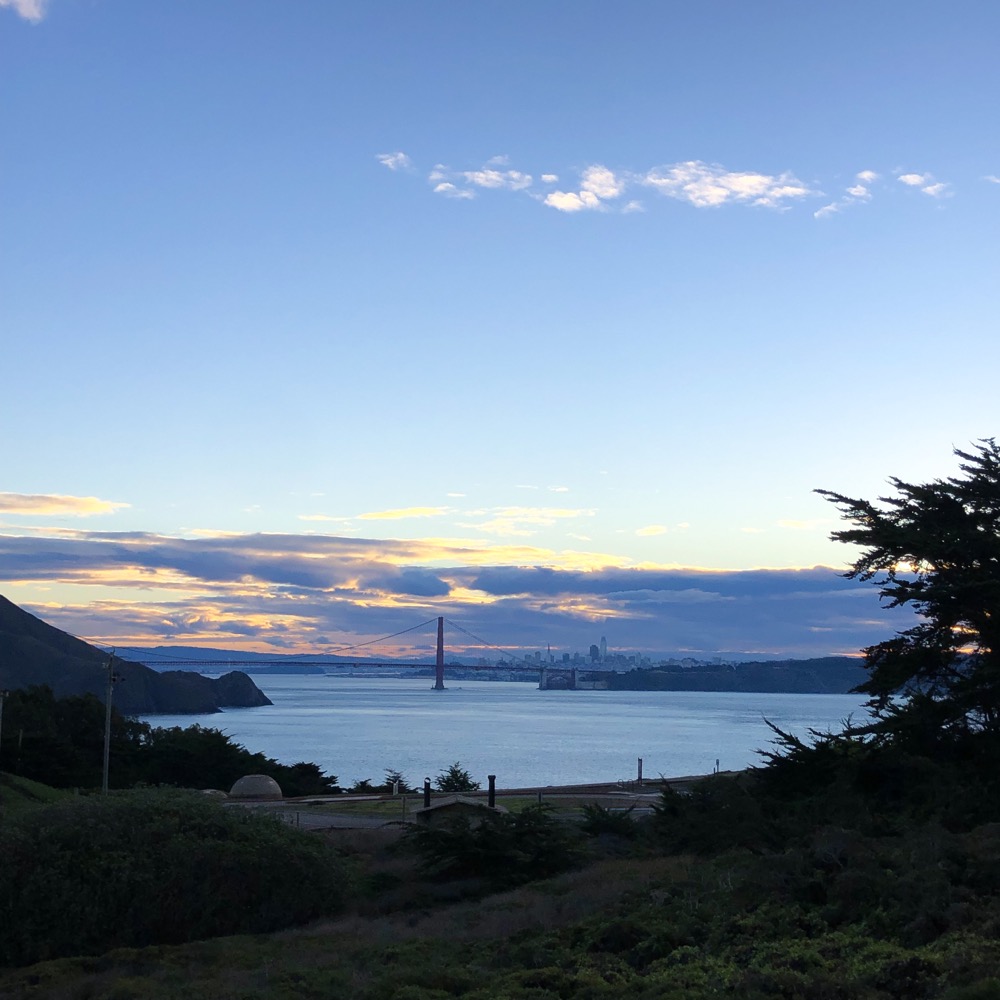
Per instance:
{"type": "Point", "coordinates": [256, 786]}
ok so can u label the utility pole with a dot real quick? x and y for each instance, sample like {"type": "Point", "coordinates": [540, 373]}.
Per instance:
{"type": "Point", "coordinates": [113, 678]}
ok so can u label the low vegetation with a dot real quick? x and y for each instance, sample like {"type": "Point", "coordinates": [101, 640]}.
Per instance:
{"type": "Point", "coordinates": [153, 867]}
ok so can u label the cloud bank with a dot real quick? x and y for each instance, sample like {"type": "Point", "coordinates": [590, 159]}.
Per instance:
{"type": "Point", "coordinates": [295, 592]}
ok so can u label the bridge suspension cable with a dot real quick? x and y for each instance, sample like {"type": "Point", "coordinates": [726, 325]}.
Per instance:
{"type": "Point", "coordinates": [483, 642]}
{"type": "Point", "coordinates": [173, 658]}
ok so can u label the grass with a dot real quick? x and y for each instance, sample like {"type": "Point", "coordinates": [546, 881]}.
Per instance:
{"type": "Point", "coordinates": [18, 794]}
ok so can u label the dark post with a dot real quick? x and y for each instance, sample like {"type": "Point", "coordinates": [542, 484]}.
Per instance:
{"type": "Point", "coordinates": [492, 800]}
{"type": "Point", "coordinates": [427, 792]}
{"type": "Point", "coordinates": [439, 664]}
{"type": "Point", "coordinates": [107, 721]}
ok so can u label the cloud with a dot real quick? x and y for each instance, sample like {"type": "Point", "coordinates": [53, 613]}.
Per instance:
{"type": "Point", "coordinates": [569, 201]}
{"type": "Point", "coordinates": [857, 192]}
{"type": "Point", "coordinates": [709, 185]}
{"type": "Point", "coordinates": [992, 178]}
{"type": "Point", "coordinates": [602, 182]}
{"type": "Point", "coordinates": [450, 191]}
{"type": "Point", "coordinates": [651, 529]}
{"type": "Point", "coordinates": [290, 591]}
{"type": "Point", "coordinates": [598, 184]}
{"type": "Point", "coordinates": [403, 512]}
{"type": "Point", "coordinates": [30, 10]}
{"type": "Point", "coordinates": [395, 161]}
{"type": "Point", "coordinates": [926, 183]}
{"type": "Point", "coordinates": [695, 182]}
{"type": "Point", "coordinates": [513, 180]}
{"type": "Point", "coordinates": [462, 183]}
{"type": "Point", "coordinates": [524, 521]}
{"type": "Point", "coordinates": [39, 504]}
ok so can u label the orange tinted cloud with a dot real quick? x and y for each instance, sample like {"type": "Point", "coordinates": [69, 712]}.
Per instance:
{"type": "Point", "coordinates": [41, 504]}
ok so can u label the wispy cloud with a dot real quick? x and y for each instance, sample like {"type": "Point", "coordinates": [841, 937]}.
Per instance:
{"type": "Point", "coordinates": [926, 183]}
{"type": "Point", "coordinates": [708, 185]}
{"type": "Point", "coordinates": [650, 530]}
{"type": "Point", "coordinates": [30, 10]}
{"type": "Point", "coordinates": [449, 190]}
{"type": "Point", "coordinates": [525, 521]}
{"type": "Point", "coordinates": [512, 180]}
{"type": "Point", "coordinates": [859, 191]}
{"type": "Point", "coordinates": [395, 161]}
{"type": "Point", "coordinates": [401, 513]}
{"type": "Point", "coordinates": [992, 178]}
{"type": "Point", "coordinates": [41, 504]}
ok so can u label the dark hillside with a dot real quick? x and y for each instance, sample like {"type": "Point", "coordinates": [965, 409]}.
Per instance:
{"type": "Point", "coordinates": [822, 675]}
{"type": "Point", "coordinates": [33, 652]}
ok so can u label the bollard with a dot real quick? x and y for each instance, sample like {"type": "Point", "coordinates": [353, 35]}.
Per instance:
{"type": "Point", "coordinates": [427, 793]}
{"type": "Point", "coordinates": [492, 800]}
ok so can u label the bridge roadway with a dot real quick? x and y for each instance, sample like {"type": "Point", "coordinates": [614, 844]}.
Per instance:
{"type": "Point", "coordinates": [340, 664]}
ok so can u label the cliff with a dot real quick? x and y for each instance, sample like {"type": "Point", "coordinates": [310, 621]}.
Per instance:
{"type": "Point", "coordinates": [33, 652]}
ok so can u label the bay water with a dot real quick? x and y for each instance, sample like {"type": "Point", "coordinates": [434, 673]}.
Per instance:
{"type": "Point", "coordinates": [357, 727]}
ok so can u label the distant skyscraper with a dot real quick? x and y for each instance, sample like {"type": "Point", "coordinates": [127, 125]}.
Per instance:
{"type": "Point", "coordinates": [604, 649]}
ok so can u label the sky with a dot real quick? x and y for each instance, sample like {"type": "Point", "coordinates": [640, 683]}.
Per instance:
{"type": "Point", "coordinates": [320, 320]}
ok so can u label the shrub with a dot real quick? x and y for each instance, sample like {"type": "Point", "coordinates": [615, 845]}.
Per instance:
{"type": "Point", "coordinates": [501, 849]}
{"type": "Point", "coordinates": [154, 867]}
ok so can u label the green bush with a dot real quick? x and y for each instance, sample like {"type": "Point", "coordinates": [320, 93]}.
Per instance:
{"type": "Point", "coordinates": [154, 867]}
{"type": "Point", "coordinates": [501, 849]}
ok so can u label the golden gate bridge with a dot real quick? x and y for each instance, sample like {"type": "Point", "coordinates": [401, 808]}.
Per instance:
{"type": "Point", "coordinates": [514, 662]}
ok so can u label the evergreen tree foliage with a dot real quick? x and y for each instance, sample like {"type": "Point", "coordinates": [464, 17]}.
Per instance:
{"type": "Point", "coordinates": [60, 742]}
{"type": "Point", "coordinates": [935, 547]}
{"type": "Point", "coordinates": [455, 779]}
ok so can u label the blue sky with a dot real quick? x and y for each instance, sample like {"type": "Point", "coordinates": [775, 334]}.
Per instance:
{"type": "Point", "coordinates": [323, 319]}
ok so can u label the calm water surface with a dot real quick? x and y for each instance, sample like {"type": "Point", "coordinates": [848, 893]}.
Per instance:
{"type": "Point", "coordinates": [356, 727]}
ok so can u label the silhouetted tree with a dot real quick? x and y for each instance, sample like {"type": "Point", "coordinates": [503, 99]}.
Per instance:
{"type": "Point", "coordinates": [936, 547]}
{"type": "Point", "coordinates": [456, 779]}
